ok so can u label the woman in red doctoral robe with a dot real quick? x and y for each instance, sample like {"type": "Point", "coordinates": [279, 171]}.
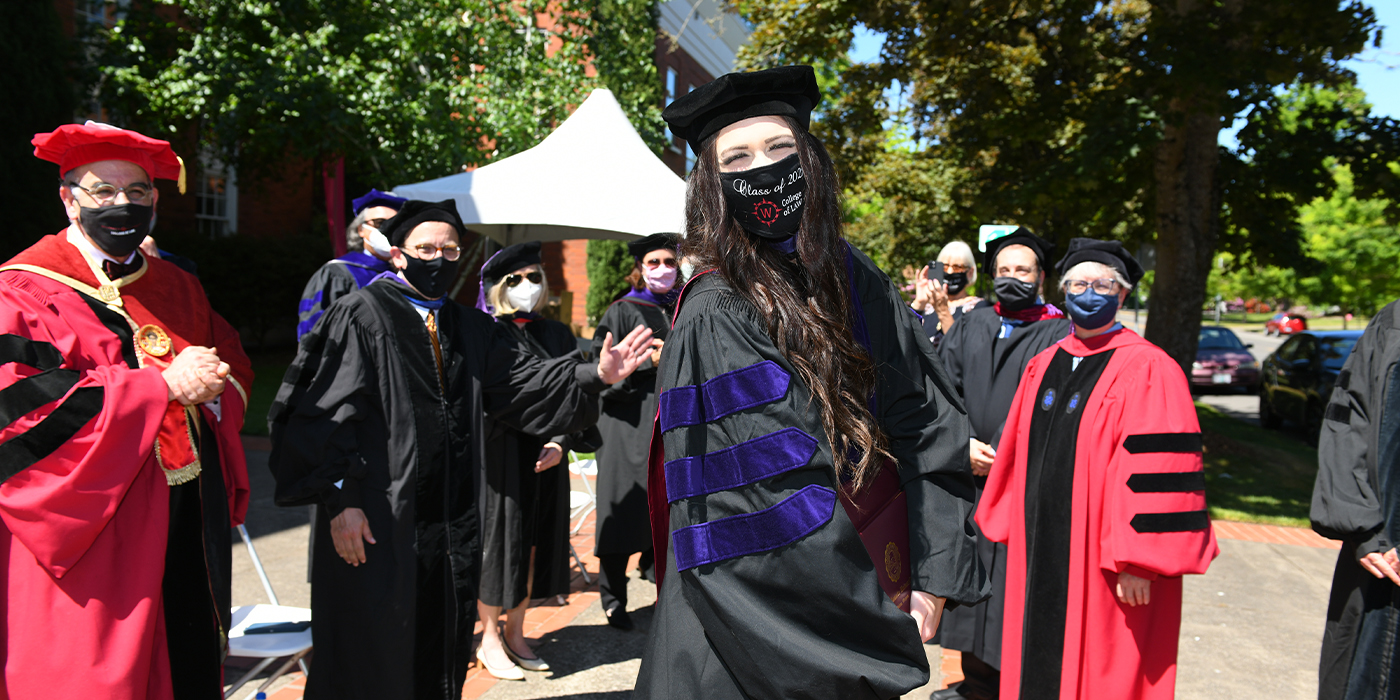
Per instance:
{"type": "Point", "coordinates": [1098, 478]}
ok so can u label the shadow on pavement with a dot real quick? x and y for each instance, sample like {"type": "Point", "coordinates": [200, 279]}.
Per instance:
{"type": "Point", "coordinates": [584, 647]}
{"type": "Point", "coordinates": [265, 518]}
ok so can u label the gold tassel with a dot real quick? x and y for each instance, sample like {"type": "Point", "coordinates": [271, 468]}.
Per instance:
{"type": "Point", "coordinates": [175, 477]}
{"type": "Point", "coordinates": [181, 182]}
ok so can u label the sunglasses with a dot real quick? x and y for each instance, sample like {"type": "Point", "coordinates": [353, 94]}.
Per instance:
{"type": "Point", "coordinates": [657, 262]}
{"type": "Point", "coordinates": [512, 280]}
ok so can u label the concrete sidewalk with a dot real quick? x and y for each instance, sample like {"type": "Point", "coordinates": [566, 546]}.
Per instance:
{"type": "Point", "coordinates": [1251, 627]}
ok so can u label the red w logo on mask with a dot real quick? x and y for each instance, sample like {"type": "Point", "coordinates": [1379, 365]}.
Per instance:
{"type": "Point", "coordinates": [766, 211]}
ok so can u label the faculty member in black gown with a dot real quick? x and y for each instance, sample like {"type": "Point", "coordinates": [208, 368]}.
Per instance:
{"type": "Point", "coordinates": [814, 451]}
{"type": "Point", "coordinates": [1357, 500]}
{"type": "Point", "coordinates": [985, 354]}
{"type": "Point", "coordinates": [381, 422]}
{"type": "Point", "coordinates": [525, 499]}
{"type": "Point", "coordinates": [629, 408]}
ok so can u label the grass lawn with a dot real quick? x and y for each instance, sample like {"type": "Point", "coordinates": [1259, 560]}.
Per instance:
{"type": "Point", "coordinates": [1255, 475]}
{"type": "Point", "coordinates": [268, 368]}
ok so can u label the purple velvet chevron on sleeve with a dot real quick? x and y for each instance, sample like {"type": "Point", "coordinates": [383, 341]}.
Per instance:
{"type": "Point", "coordinates": [790, 520]}
{"type": "Point", "coordinates": [680, 407]}
{"type": "Point", "coordinates": [743, 464]}
{"type": "Point", "coordinates": [728, 393]}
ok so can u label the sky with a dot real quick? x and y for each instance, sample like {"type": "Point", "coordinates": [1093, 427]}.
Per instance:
{"type": "Point", "coordinates": [1377, 70]}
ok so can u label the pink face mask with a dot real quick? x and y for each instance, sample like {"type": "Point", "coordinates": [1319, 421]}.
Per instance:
{"type": "Point", "coordinates": [660, 279]}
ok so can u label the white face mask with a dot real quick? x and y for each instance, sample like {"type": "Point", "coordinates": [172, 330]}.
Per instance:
{"type": "Point", "coordinates": [378, 243]}
{"type": "Point", "coordinates": [525, 295]}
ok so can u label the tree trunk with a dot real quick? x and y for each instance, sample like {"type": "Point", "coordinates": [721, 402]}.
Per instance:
{"type": "Point", "coordinates": [1188, 220]}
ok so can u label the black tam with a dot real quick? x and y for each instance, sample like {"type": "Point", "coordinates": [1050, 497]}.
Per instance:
{"type": "Point", "coordinates": [1110, 253]}
{"type": "Point", "coordinates": [416, 212]}
{"type": "Point", "coordinates": [656, 241]}
{"type": "Point", "coordinates": [1021, 236]}
{"type": "Point", "coordinates": [510, 259]}
{"type": "Point", "coordinates": [789, 91]}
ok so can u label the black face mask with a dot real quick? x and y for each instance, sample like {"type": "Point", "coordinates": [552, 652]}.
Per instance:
{"type": "Point", "coordinates": [1013, 294]}
{"type": "Point", "coordinates": [117, 229]}
{"type": "Point", "coordinates": [956, 281]}
{"type": "Point", "coordinates": [767, 201]}
{"type": "Point", "coordinates": [430, 277]}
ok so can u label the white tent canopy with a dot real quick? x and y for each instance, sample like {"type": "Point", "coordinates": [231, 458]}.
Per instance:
{"type": "Point", "coordinates": [593, 177]}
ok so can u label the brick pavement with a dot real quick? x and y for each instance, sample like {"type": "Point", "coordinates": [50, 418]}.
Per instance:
{"type": "Point", "coordinates": [549, 615]}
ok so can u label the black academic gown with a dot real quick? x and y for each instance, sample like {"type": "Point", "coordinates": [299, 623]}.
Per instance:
{"type": "Point", "coordinates": [791, 607]}
{"type": "Point", "coordinates": [363, 421]}
{"type": "Point", "coordinates": [519, 508]}
{"type": "Point", "coordinates": [986, 370]}
{"type": "Point", "coordinates": [629, 407]}
{"type": "Point", "coordinates": [1357, 500]}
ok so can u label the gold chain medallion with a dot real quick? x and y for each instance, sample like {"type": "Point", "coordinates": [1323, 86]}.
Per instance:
{"type": "Point", "coordinates": [892, 563]}
{"type": "Point", "coordinates": [153, 341]}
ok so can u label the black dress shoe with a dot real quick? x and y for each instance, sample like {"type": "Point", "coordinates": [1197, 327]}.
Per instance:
{"type": "Point", "coordinates": [950, 693]}
{"type": "Point", "coordinates": [619, 619]}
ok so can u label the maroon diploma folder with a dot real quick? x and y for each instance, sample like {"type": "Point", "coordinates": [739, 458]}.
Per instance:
{"type": "Point", "coordinates": [881, 516]}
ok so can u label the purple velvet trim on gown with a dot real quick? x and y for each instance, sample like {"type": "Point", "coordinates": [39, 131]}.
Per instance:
{"type": "Point", "coordinates": [752, 533]}
{"type": "Point", "coordinates": [746, 463]}
{"type": "Point", "coordinates": [728, 393]}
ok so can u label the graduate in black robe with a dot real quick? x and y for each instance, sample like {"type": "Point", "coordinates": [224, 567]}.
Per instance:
{"type": "Point", "coordinates": [629, 408]}
{"type": "Point", "coordinates": [1357, 500]}
{"type": "Point", "coordinates": [525, 489]}
{"type": "Point", "coordinates": [986, 354]}
{"type": "Point", "coordinates": [381, 422]}
{"type": "Point", "coordinates": [810, 486]}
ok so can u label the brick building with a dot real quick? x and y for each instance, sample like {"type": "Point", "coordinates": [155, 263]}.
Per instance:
{"type": "Point", "coordinates": [697, 42]}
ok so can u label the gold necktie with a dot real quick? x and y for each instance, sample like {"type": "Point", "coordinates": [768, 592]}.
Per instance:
{"type": "Point", "coordinates": [431, 323]}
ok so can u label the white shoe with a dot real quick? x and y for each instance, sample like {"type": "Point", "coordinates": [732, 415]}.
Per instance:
{"type": "Point", "coordinates": [513, 673]}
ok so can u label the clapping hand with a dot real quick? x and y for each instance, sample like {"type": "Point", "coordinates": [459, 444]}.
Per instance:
{"type": "Point", "coordinates": [617, 362]}
{"type": "Point", "coordinates": [195, 376]}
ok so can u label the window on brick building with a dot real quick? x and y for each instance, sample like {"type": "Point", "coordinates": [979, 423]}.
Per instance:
{"type": "Point", "coordinates": [95, 11]}
{"type": "Point", "coordinates": [216, 202]}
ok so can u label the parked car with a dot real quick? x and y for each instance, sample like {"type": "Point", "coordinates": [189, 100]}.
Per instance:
{"type": "Point", "coordinates": [1223, 362]}
{"type": "Point", "coordinates": [1283, 324]}
{"type": "Point", "coordinates": [1297, 379]}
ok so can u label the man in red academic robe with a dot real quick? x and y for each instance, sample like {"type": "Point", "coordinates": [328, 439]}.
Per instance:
{"type": "Point", "coordinates": [1098, 492]}
{"type": "Point", "coordinates": [121, 398]}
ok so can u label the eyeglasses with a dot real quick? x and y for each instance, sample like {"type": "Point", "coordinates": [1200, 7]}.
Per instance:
{"type": "Point", "coordinates": [105, 194]}
{"type": "Point", "coordinates": [657, 262]}
{"type": "Point", "coordinates": [1104, 285]}
{"type": "Point", "coordinates": [377, 224]}
{"type": "Point", "coordinates": [512, 280]}
{"type": "Point", "coordinates": [955, 268]}
{"type": "Point", "coordinates": [428, 252]}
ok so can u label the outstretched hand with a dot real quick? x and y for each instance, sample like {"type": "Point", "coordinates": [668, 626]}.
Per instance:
{"type": "Point", "coordinates": [617, 362]}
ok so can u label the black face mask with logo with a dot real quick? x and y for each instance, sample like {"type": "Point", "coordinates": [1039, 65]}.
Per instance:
{"type": "Point", "coordinates": [117, 229]}
{"type": "Point", "coordinates": [1014, 294]}
{"type": "Point", "coordinates": [430, 277]}
{"type": "Point", "coordinates": [767, 201]}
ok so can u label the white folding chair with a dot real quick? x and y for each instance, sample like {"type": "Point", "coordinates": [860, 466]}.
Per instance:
{"type": "Point", "coordinates": [581, 503]}
{"type": "Point", "coordinates": [268, 646]}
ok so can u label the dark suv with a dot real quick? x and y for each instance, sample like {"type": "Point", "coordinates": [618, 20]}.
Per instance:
{"type": "Point", "coordinates": [1297, 379]}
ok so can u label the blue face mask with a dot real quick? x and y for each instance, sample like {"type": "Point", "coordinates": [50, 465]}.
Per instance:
{"type": "Point", "coordinates": [1090, 309]}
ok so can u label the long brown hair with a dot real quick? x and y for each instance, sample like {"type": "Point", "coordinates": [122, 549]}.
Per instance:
{"type": "Point", "coordinates": [805, 303]}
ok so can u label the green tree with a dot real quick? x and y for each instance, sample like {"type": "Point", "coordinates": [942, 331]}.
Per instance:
{"type": "Point", "coordinates": [1078, 117]}
{"type": "Point", "coordinates": [623, 44]}
{"type": "Point", "coordinates": [1357, 250]}
{"type": "Point", "coordinates": [402, 90]}
{"type": "Point", "coordinates": [38, 78]}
